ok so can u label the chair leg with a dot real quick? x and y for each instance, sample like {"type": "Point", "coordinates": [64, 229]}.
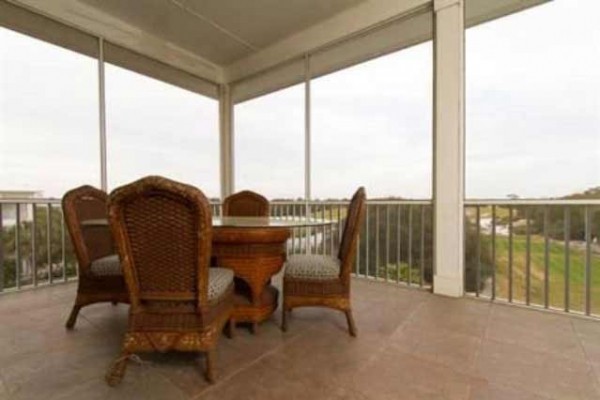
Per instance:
{"type": "Point", "coordinates": [73, 316]}
{"type": "Point", "coordinates": [254, 328]}
{"type": "Point", "coordinates": [210, 360]}
{"type": "Point", "coordinates": [116, 371]}
{"type": "Point", "coordinates": [351, 325]}
{"type": "Point", "coordinates": [114, 303]}
{"type": "Point", "coordinates": [231, 328]}
{"type": "Point", "coordinates": [284, 323]}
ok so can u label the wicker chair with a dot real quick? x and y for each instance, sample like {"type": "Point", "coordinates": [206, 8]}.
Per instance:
{"type": "Point", "coordinates": [246, 204]}
{"type": "Point", "coordinates": [100, 275]}
{"type": "Point", "coordinates": [163, 232]}
{"type": "Point", "coordinates": [318, 280]}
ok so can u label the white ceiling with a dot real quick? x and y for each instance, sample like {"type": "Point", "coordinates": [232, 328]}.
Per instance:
{"type": "Point", "coordinates": [207, 35]}
{"type": "Point", "coordinates": [230, 40]}
{"type": "Point", "coordinates": [220, 31]}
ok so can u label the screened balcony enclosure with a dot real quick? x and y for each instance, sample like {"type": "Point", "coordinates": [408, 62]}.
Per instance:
{"type": "Point", "coordinates": [474, 126]}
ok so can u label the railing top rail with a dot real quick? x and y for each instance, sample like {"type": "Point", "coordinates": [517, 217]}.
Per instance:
{"type": "Point", "coordinates": [533, 202]}
{"type": "Point", "coordinates": [36, 200]}
{"type": "Point", "coordinates": [49, 200]}
{"type": "Point", "coordinates": [470, 202]}
{"type": "Point", "coordinates": [345, 202]}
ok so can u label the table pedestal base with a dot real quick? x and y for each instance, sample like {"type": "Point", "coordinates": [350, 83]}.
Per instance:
{"type": "Point", "coordinates": [254, 255]}
{"type": "Point", "coordinates": [245, 311]}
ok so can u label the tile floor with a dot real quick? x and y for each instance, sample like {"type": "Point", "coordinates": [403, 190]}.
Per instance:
{"type": "Point", "coordinates": [411, 345]}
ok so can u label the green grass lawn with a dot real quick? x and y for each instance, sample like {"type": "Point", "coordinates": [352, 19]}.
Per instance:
{"type": "Point", "coordinates": [556, 269]}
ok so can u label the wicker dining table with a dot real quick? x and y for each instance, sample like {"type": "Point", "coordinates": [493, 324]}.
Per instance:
{"type": "Point", "coordinates": [255, 248]}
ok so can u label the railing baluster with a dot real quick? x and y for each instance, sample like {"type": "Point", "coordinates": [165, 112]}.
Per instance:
{"type": "Point", "coordinates": [367, 263]}
{"type": "Point", "coordinates": [377, 262]}
{"type": "Point", "coordinates": [339, 225]}
{"type": "Point", "coordinates": [399, 244]}
{"type": "Point", "coordinates": [63, 245]}
{"type": "Point", "coordinates": [478, 250]}
{"type": "Point", "coordinates": [528, 256]}
{"type": "Point", "coordinates": [387, 242]}
{"type": "Point", "coordinates": [331, 230]}
{"type": "Point", "coordinates": [567, 250]}
{"type": "Point", "coordinates": [510, 254]}
{"type": "Point", "coordinates": [323, 241]}
{"type": "Point", "coordinates": [546, 259]}
{"type": "Point", "coordinates": [588, 260]}
{"type": "Point", "coordinates": [18, 246]}
{"type": "Point", "coordinates": [315, 231]}
{"type": "Point", "coordinates": [1, 249]}
{"type": "Point", "coordinates": [422, 251]}
{"type": "Point", "coordinates": [306, 231]}
{"type": "Point", "coordinates": [34, 245]}
{"type": "Point", "coordinates": [48, 240]}
{"type": "Point", "coordinates": [410, 225]}
{"type": "Point", "coordinates": [294, 231]}
{"type": "Point", "coordinates": [493, 252]}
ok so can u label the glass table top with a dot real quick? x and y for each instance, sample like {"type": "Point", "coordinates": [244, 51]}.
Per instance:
{"type": "Point", "coordinates": [245, 222]}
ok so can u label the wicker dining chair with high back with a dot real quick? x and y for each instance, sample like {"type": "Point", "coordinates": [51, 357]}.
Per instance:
{"type": "Point", "coordinates": [100, 275]}
{"type": "Point", "coordinates": [246, 204]}
{"type": "Point", "coordinates": [163, 232]}
{"type": "Point", "coordinates": [321, 280]}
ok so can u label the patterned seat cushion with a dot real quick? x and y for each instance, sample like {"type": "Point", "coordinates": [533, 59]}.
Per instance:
{"type": "Point", "coordinates": [312, 266]}
{"type": "Point", "coordinates": [106, 266]}
{"type": "Point", "coordinates": [219, 280]}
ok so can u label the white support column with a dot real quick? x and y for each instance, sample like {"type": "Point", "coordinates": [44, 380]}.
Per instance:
{"type": "Point", "coordinates": [449, 134]}
{"type": "Point", "coordinates": [226, 140]}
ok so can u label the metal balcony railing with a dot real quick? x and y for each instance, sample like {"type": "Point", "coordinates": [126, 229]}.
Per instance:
{"type": "Point", "coordinates": [535, 253]}
{"type": "Point", "coordinates": [34, 245]}
{"type": "Point", "coordinates": [395, 244]}
{"type": "Point", "coordinates": [542, 254]}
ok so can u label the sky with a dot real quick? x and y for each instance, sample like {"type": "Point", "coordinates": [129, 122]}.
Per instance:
{"type": "Point", "coordinates": [532, 119]}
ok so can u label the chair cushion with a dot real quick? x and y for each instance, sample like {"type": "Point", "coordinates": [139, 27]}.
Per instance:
{"type": "Point", "coordinates": [313, 267]}
{"type": "Point", "coordinates": [219, 280]}
{"type": "Point", "coordinates": [106, 266]}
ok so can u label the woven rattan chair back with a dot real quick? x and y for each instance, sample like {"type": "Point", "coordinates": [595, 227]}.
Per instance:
{"type": "Point", "coordinates": [82, 204]}
{"type": "Point", "coordinates": [91, 243]}
{"type": "Point", "coordinates": [354, 220]}
{"type": "Point", "coordinates": [246, 204]}
{"type": "Point", "coordinates": [163, 233]}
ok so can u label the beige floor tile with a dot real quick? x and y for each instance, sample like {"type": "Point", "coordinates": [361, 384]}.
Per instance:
{"type": "Point", "coordinates": [538, 372]}
{"type": "Point", "coordinates": [542, 331]}
{"type": "Point", "coordinates": [449, 348]}
{"type": "Point", "coordinates": [487, 391]}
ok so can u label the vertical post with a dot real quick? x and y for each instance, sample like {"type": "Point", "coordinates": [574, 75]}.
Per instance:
{"type": "Point", "coordinates": [226, 130]}
{"type": "Point", "coordinates": [307, 140]}
{"type": "Point", "coordinates": [307, 126]}
{"type": "Point", "coordinates": [102, 116]}
{"type": "Point", "coordinates": [448, 127]}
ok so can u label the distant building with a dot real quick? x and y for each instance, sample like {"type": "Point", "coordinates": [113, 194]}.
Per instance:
{"type": "Point", "coordinates": [9, 211]}
{"type": "Point", "coordinates": [20, 194]}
